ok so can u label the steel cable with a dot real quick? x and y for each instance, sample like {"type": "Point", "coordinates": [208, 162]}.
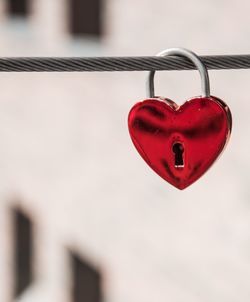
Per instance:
{"type": "Point", "coordinates": [90, 64]}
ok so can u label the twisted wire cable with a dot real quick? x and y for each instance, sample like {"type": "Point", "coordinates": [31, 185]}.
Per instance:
{"type": "Point", "coordinates": [90, 64]}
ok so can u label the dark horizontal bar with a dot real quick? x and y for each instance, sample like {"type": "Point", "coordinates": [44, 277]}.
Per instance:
{"type": "Point", "coordinates": [90, 64]}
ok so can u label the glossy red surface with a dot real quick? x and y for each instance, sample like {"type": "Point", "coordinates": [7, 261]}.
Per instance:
{"type": "Point", "coordinates": [180, 143]}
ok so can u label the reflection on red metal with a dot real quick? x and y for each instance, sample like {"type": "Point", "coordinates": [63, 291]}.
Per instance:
{"type": "Point", "coordinates": [180, 143]}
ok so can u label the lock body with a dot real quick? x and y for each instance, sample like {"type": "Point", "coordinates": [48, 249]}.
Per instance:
{"type": "Point", "coordinates": [180, 143]}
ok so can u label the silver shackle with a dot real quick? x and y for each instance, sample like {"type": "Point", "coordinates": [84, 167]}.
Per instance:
{"type": "Point", "coordinates": [205, 85]}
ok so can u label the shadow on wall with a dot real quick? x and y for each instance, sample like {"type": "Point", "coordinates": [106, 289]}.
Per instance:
{"type": "Point", "coordinates": [84, 17]}
{"type": "Point", "coordinates": [86, 280]}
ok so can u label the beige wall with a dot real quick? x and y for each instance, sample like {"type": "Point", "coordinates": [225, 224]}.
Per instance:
{"type": "Point", "coordinates": [66, 155]}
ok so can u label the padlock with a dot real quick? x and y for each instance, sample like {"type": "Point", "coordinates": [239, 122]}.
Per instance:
{"type": "Point", "coordinates": [180, 143]}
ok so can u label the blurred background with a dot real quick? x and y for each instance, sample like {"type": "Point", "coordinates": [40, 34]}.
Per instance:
{"type": "Point", "coordinates": [82, 218]}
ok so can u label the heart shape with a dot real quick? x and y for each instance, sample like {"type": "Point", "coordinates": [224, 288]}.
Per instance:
{"type": "Point", "coordinates": [180, 143]}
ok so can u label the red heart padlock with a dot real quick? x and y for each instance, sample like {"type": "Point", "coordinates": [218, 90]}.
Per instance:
{"type": "Point", "coordinates": [180, 143]}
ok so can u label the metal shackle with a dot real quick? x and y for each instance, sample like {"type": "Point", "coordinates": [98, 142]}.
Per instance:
{"type": "Point", "coordinates": [205, 85]}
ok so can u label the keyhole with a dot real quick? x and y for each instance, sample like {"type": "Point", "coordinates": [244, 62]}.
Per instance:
{"type": "Point", "coordinates": [178, 150]}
